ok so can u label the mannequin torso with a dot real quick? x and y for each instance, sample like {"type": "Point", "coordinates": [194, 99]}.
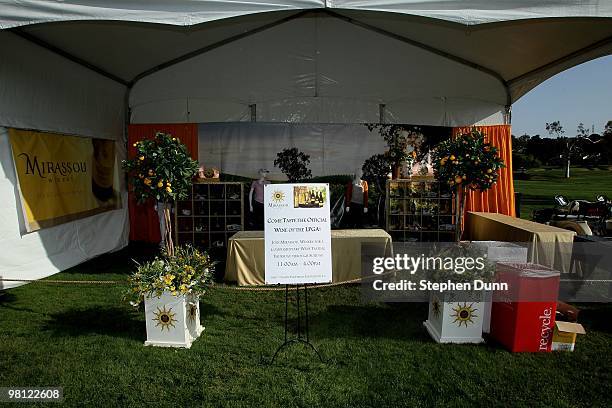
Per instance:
{"type": "Point", "coordinates": [357, 193]}
{"type": "Point", "coordinates": [257, 189]}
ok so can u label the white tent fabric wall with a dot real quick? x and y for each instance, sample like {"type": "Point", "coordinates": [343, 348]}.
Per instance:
{"type": "Point", "coordinates": [243, 148]}
{"type": "Point", "coordinates": [40, 90]}
{"type": "Point", "coordinates": [318, 69]}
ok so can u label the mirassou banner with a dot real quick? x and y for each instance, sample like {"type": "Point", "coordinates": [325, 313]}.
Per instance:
{"type": "Point", "coordinates": [63, 178]}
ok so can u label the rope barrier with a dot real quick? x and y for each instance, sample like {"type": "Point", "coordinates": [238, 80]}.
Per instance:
{"type": "Point", "coordinates": [272, 289]}
{"type": "Point", "coordinates": [52, 281]}
{"type": "Point", "coordinates": [238, 288]}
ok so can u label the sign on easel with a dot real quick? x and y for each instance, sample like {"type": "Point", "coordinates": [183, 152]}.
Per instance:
{"type": "Point", "coordinates": [297, 233]}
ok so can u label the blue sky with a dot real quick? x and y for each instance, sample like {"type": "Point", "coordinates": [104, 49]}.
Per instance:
{"type": "Point", "coordinates": [580, 94]}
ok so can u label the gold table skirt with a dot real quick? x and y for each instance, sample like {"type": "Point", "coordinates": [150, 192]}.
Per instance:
{"type": "Point", "coordinates": [550, 246]}
{"type": "Point", "coordinates": [246, 262]}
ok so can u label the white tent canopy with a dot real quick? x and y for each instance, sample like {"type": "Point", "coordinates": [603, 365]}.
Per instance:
{"type": "Point", "coordinates": [192, 12]}
{"type": "Point", "coordinates": [453, 62]}
{"type": "Point", "coordinates": [89, 67]}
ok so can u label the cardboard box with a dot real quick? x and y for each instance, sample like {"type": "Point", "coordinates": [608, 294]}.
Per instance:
{"type": "Point", "coordinates": [564, 336]}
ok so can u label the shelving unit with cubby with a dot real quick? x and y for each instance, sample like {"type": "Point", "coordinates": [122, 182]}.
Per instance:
{"type": "Point", "coordinates": [419, 209]}
{"type": "Point", "coordinates": [210, 215]}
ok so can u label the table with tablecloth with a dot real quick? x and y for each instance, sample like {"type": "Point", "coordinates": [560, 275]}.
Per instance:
{"type": "Point", "coordinates": [550, 246]}
{"type": "Point", "coordinates": [246, 260]}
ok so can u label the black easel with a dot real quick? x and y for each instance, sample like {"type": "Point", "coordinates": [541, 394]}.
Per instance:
{"type": "Point", "coordinates": [300, 338]}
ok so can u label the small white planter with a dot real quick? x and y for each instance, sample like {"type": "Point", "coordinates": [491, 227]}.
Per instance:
{"type": "Point", "coordinates": [172, 321]}
{"type": "Point", "coordinates": [455, 318]}
{"type": "Point", "coordinates": [498, 251]}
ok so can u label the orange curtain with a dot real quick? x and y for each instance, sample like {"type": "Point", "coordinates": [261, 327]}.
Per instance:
{"type": "Point", "coordinates": [144, 224]}
{"type": "Point", "coordinates": [500, 197]}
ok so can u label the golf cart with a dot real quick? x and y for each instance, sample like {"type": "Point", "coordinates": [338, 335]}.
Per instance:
{"type": "Point", "coordinates": [592, 218]}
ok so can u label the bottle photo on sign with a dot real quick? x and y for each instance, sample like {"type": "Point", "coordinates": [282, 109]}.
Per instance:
{"type": "Point", "coordinates": [309, 197]}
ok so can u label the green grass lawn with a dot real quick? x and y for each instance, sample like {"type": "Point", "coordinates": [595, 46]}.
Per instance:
{"type": "Point", "coordinates": [85, 339]}
{"type": "Point", "coordinates": [539, 191]}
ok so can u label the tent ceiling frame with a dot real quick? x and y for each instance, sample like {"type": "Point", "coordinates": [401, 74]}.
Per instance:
{"type": "Point", "coordinates": [333, 14]}
{"type": "Point", "coordinates": [567, 58]}
{"type": "Point", "coordinates": [63, 53]}
{"type": "Point", "coordinates": [507, 84]}
{"type": "Point", "coordinates": [218, 44]}
{"type": "Point", "coordinates": [429, 49]}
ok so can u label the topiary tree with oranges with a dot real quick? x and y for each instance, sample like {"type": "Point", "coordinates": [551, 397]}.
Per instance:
{"type": "Point", "coordinates": [161, 170]}
{"type": "Point", "coordinates": [466, 162]}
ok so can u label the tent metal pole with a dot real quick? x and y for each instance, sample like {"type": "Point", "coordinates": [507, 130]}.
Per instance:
{"type": "Point", "coordinates": [127, 112]}
{"type": "Point", "coordinates": [56, 50]}
{"type": "Point", "coordinates": [508, 115]}
{"type": "Point", "coordinates": [216, 45]}
{"type": "Point", "coordinates": [381, 113]}
{"type": "Point", "coordinates": [428, 48]}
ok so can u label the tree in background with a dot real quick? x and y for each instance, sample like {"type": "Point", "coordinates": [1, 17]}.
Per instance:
{"type": "Point", "coordinates": [606, 144]}
{"type": "Point", "coordinates": [293, 164]}
{"type": "Point", "coordinates": [591, 149]}
{"type": "Point", "coordinates": [569, 145]}
{"type": "Point", "coordinates": [589, 146]}
{"type": "Point", "coordinates": [522, 155]}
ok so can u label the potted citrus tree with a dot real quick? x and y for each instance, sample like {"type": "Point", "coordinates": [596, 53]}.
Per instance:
{"type": "Point", "coordinates": [162, 170]}
{"type": "Point", "coordinates": [466, 162]}
{"type": "Point", "coordinates": [170, 287]}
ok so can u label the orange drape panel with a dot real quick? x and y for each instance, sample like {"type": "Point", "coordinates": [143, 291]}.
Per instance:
{"type": "Point", "coordinates": [500, 197]}
{"type": "Point", "coordinates": [144, 224]}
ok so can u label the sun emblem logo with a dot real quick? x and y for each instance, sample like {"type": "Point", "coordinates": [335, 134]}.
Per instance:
{"type": "Point", "coordinates": [278, 196]}
{"type": "Point", "coordinates": [464, 314]}
{"type": "Point", "coordinates": [164, 318]}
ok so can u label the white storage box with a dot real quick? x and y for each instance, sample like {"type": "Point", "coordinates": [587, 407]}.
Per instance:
{"type": "Point", "coordinates": [455, 318]}
{"type": "Point", "coordinates": [172, 321]}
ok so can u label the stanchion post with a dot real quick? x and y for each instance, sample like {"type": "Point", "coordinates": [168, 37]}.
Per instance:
{"type": "Point", "coordinates": [286, 307]}
{"type": "Point", "coordinates": [299, 338]}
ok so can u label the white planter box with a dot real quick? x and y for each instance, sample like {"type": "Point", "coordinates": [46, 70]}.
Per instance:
{"type": "Point", "coordinates": [455, 319]}
{"type": "Point", "coordinates": [172, 321]}
{"type": "Point", "coordinates": [498, 251]}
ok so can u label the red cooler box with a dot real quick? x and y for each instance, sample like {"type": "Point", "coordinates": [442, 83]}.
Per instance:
{"type": "Point", "coordinates": [523, 318]}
